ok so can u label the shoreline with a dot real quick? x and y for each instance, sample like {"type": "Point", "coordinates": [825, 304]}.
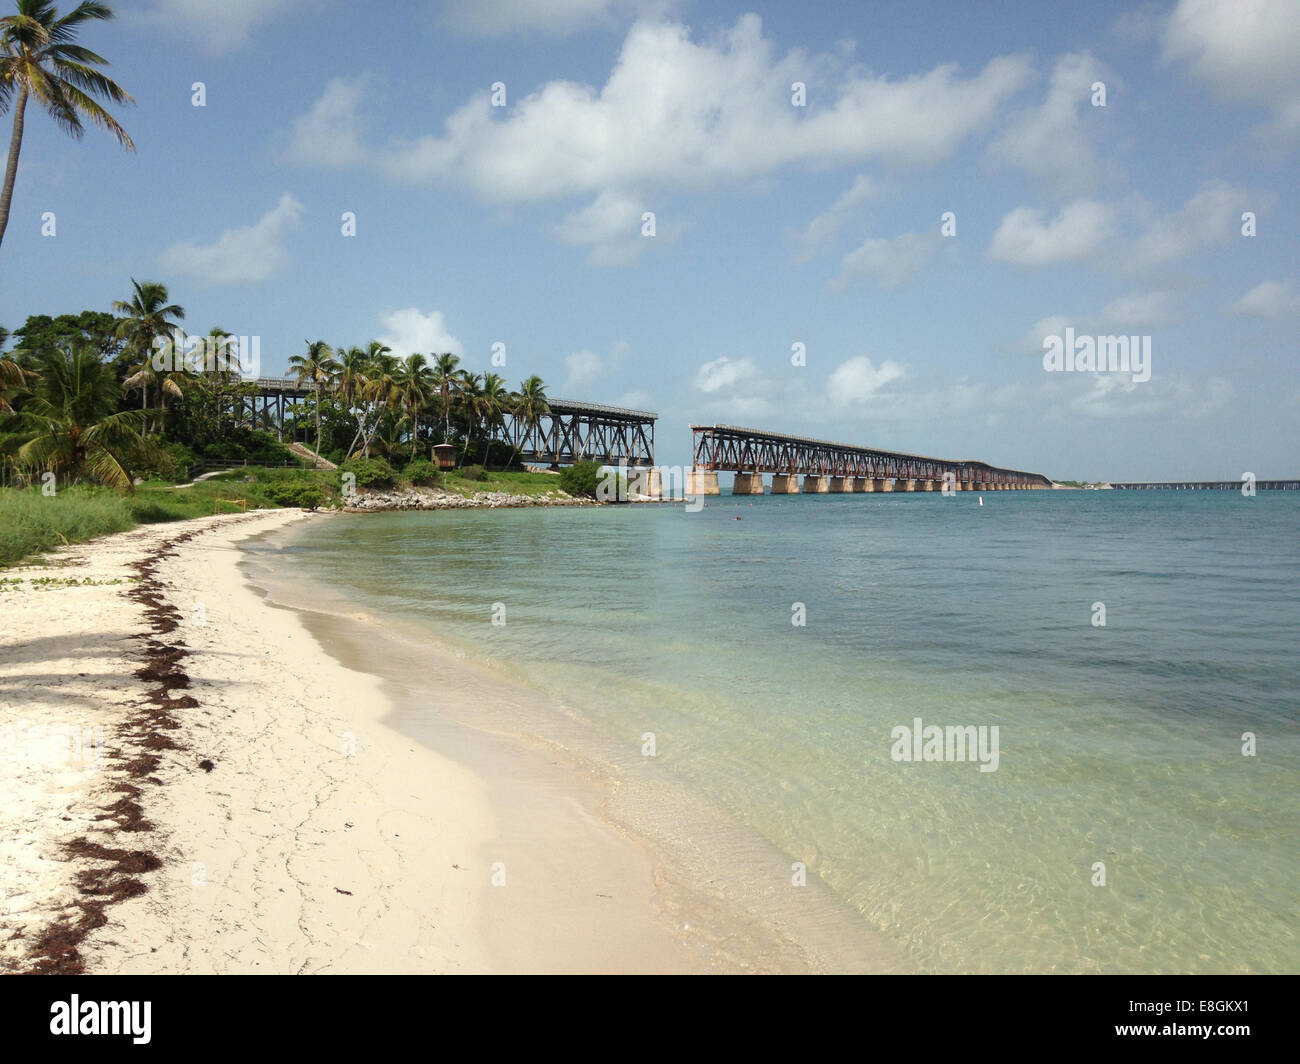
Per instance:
{"type": "Point", "coordinates": [288, 826]}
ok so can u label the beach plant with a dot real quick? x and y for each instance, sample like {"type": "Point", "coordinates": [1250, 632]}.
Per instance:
{"type": "Point", "coordinates": [580, 479]}
{"type": "Point", "coordinates": [69, 428]}
{"type": "Point", "coordinates": [370, 472]}
{"type": "Point", "coordinates": [422, 471]}
{"type": "Point", "coordinates": [40, 60]}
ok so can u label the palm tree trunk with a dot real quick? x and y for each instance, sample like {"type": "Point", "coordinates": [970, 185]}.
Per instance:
{"type": "Point", "coordinates": [317, 390]}
{"type": "Point", "coordinates": [11, 168]}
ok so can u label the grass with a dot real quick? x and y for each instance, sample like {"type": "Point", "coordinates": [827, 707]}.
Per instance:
{"type": "Point", "coordinates": [32, 523]}
{"type": "Point", "coordinates": [516, 483]}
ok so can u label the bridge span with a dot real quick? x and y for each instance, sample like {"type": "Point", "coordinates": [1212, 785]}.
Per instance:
{"type": "Point", "coordinates": [833, 467]}
{"type": "Point", "coordinates": [570, 431]}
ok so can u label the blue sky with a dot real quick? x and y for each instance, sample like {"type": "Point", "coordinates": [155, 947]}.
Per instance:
{"type": "Point", "coordinates": [775, 224]}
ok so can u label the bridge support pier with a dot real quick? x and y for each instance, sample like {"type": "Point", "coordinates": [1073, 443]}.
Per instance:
{"type": "Point", "coordinates": [884, 484]}
{"type": "Point", "coordinates": [929, 485]}
{"type": "Point", "coordinates": [840, 484]}
{"type": "Point", "coordinates": [908, 484]}
{"type": "Point", "coordinates": [748, 484]}
{"type": "Point", "coordinates": [862, 484]}
{"type": "Point", "coordinates": [702, 482]}
{"type": "Point", "coordinates": [815, 485]}
{"type": "Point", "coordinates": [785, 484]}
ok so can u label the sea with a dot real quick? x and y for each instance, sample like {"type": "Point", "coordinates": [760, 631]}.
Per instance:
{"type": "Point", "coordinates": [1047, 731]}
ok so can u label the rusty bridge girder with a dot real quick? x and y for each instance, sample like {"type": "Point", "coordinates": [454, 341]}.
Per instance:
{"type": "Point", "coordinates": [733, 449]}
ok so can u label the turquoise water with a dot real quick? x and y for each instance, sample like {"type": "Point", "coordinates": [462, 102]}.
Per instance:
{"type": "Point", "coordinates": [1119, 744]}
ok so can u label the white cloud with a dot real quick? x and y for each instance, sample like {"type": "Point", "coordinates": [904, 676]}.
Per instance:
{"type": "Point", "coordinates": [857, 380]}
{"type": "Point", "coordinates": [610, 228]}
{"type": "Point", "coordinates": [410, 330]}
{"type": "Point", "coordinates": [219, 27]}
{"type": "Point", "coordinates": [493, 17]}
{"type": "Point", "coordinates": [1269, 299]}
{"type": "Point", "coordinates": [328, 134]}
{"type": "Point", "coordinates": [892, 262]}
{"type": "Point", "coordinates": [1026, 239]}
{"type": "Point", "coordinates": [724, 373]}
{"type": "Point", "coordinates": [678, 113]}
{"type": "Point", "coordinates": [819, 232]}
{"type": "Point", "coordinates": [1245, 51]}
{"type": "Point", "coordinates": [583, 369]}
{"type": "Point", "coordinates": [239, 256]}
{"type": "Point", "coordinates": [1212, 217]}
{"type": "Point", "coordinates": [1126, 315]}
{"type": "Point", "coordinates": [1052, 142]}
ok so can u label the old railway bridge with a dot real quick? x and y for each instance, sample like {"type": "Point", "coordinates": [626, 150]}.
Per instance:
{"type": "Point", "coordinates": [797, 464]}
{"type": "Point", "coordinates": [569, 432]}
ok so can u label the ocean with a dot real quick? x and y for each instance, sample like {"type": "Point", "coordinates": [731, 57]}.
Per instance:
{"type": "Point", "coordinates": [1119, 797]}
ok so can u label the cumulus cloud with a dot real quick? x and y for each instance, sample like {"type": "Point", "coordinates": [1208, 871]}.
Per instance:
{"type": "Point", "coordinates": [410, 330]}
{"type": "Point", "coordinates": [1269, 299]}
{"type": "Point", "coordinates": [329, 134]}
{"type": "Point", "coordinates": [611, 229]}
{"type": "Point", "coordinates": [1245, 52]}
{"type": "Point", "coordinates": [239, 256]}
{"type": "Point", "coordinates": [218, 27]}
{"type": "Point", "coordinates": [1134, 313]}
{"type": "Point", "coordinates": [1027, 239]}
{"type": "Point", "coordinates": [892, 262]}
{"type": "Point", "coordinates": [1054, 142]}
{"type": "Point", "coordinates": [675, 112]}
{"type": "Point", "coordinates": [858, 381]}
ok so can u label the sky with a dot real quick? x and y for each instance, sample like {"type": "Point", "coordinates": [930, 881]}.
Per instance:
{"type": "Point", "coordinates": [851, 221]}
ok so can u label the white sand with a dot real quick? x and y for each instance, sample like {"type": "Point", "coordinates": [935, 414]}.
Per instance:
{"type": "Point", "coordinates": [322, 840]}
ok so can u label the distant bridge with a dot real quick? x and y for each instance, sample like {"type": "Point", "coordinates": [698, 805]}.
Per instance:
{"type": "Point", "coordinates": [1208, 485]}
{"type": "Point", "coordinates": [833, 467]}
{"type": "Point", "coordinates": [569, 432]}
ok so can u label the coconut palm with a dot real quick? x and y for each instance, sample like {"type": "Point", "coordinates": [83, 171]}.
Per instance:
{"type": "Point", "coordinates": [447, 381]}
{"type": "Point", "coordinates": [490, 407]}
{"type": "Point", "coordinates": [68, 426]}
{"type": "Point", "coordinates": [414, 389]}
{"type": "Point", "coordinates": [40, 60]}
{"type": "Point", "coordinates": [319, 367]}
{"type": "Point", "coordinates": [11, 374]}
{"type": "Point", "coordinates": [147, 316]}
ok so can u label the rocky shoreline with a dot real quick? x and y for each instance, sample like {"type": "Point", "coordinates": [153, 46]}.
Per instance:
{"type": "Point", "coordinates": [437, 499]}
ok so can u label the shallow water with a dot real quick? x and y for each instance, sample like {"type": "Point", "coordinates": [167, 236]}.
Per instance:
{"type": "Point", "coordinates": [1119, 744]}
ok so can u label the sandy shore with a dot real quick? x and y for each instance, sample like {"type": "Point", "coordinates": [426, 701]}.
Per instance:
{"type": "Point", "coordinates": [192, 784]}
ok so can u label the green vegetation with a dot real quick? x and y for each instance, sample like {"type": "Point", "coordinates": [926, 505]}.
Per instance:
{"type": "Point", "coordinates": [422, 472]}
{"type": "Point", "coordinates": [370, 472]}
{"type": "Point", "coordinates": [40, 60]}
{"type": "Point", "coordinates": [581, 479]}
{"type": "Point", "coordinates": [31, 522]}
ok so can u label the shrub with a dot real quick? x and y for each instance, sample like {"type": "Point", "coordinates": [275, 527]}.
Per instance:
{"type": "Point", "coordinates": [255, 446]}
{"type": "Point", "coordinates": [580, 479]}
{"type": "Point", "coordinates": [474, 472]}
{"type": "Point", "coordinates": [370, 472]}
{"type": "Point", "coordinates": [421, 471]}
{"type": "Point", "coordinates": [304, 493]}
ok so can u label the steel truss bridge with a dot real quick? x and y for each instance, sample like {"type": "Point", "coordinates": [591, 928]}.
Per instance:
{"type": "Point", "coordinates": [569, 432]}
{"type": "Point", "coordinates": [752, 452]}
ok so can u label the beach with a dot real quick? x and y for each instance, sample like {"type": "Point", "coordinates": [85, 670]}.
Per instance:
{"type": "Point", "coordinates": [242, 806]}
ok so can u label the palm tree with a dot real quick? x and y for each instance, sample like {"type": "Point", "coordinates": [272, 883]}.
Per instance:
{"type": "Point", "coordinates": [530, 404]}
{"type": "Point", "coordinates": [446, 380]}
{"type": "Point", "coordinates": [40, 59]}
{"type": "Point", "coordinates": [414, 389]}
{"type": "Point", "coordinates": [319, 367]}
{"type": "Point", "coordinates": [68, 428]}
{"type": "Point", "coordinates": [490, 406]}
{"type": "Point", "coordinates": [11, 374]}
{"type": "Point", "coordinates": [148, 316]}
